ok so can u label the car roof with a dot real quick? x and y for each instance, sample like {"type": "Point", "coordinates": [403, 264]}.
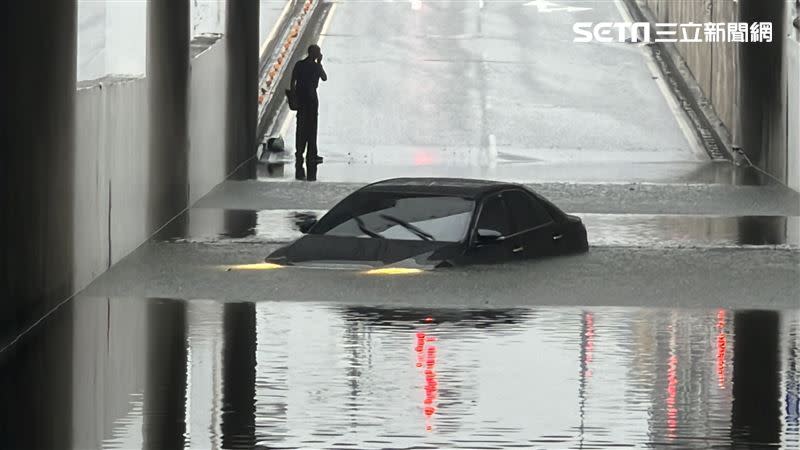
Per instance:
{"type": "Point", "coordinates": [462, 187]}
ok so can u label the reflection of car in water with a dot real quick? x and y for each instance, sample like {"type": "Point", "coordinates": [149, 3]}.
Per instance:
{"type": "Point", "coordinates": [404, 319]}
{"type": "Point", "coordinates": [436, 222]}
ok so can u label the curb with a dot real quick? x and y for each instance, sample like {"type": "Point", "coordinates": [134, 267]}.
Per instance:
{"type": "Point", "coordinates": [707, 125]}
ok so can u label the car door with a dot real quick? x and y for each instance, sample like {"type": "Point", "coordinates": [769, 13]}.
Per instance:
{"type": "Point", "coordinates": [493, 216]}
{"type": "Point", "coordinates": [535, 232]}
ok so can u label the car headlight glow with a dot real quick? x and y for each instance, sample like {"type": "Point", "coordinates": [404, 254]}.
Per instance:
{"type": "Point", "coordinates": [393, 271]}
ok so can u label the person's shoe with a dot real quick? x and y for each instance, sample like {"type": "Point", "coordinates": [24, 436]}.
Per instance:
{"type": "Point", "coordinates": [311, 179]}
{"type": "Point", "coordinates": [300, 176]}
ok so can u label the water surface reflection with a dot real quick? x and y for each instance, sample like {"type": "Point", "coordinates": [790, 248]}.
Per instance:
{"type": "Point", "coordinates": [160, 373]}
{"type": "Point", "coordinates": [226, 226]}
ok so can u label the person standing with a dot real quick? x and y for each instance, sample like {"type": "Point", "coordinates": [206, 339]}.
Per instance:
{"type": "Point", "coordinates": [305, 79]}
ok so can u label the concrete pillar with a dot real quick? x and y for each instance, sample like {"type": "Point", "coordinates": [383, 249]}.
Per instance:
{"type": "Point", "coordinates": [168, 83]}
{"type": "Point", "coordinates": [756, 416]}
{"type": "Point", "coordinates": [762, 92]}
{"type": "Point", "coordinates": [36, 166]}
{"type": "Point", "coordinates": [36, 387]}
{"type": "Point", "coordinates": [164, 403]}
{"type": "Point", "coordinates": [239, 376]}
{"type": "Point", "coordinates": [242, 91]}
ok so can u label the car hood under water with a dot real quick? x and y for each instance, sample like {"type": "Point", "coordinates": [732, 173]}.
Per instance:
{"type": "Point", "coordinates": [336, 250]}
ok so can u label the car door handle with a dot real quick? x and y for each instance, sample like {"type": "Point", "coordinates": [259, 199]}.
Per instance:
{"type": "Point", "coordinates": [518, 249]}
{"type": "Point", "coordinates": [557, 236]}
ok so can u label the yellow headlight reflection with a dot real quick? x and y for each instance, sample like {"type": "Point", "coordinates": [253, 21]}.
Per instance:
{"type": "Point", "coordinates": [258, 266]}
{"type": "Point", "coordinates": [393, 271]}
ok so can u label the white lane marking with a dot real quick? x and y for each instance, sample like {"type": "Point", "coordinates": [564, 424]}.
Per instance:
{"type": "Point", "coordinates": [480, 4]}
{"type": "Point", "coordinates": [695, 145]}
{"type": "Point", "coordinates": [324, 32]}
{"type": "Point", "coordinates": [546, 6]}
{"type": "Point", "coordinates": [275, 27]}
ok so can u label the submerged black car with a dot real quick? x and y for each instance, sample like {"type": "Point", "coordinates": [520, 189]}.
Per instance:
{"type": "Point", "coordinates": [435, 222]}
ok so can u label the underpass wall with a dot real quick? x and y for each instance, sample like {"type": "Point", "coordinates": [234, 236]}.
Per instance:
{"type": "Point", "coordinates": [712, 65]}
{"type": "Point", "coordinates": [112, 203]}
{"type": "Point", "coordinates": [91, 171]}
{"type": "Point", "coordinates": [111, 165]}
{"type": "Point", "coordinates": [207, 120]}
{"type": "Point", "coordinates": [112, 190]}
{"type": "Point", "coordinates": [792, 58]}
{"type": "Point", "coordinates": [748, 86]}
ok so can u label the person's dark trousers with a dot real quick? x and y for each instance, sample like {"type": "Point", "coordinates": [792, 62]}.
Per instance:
{"type": "Point", "coordinates": [306, 137]}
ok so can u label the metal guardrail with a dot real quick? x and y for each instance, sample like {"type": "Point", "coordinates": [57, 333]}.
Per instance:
{"type": "Point", "coordinates": [276, 63]}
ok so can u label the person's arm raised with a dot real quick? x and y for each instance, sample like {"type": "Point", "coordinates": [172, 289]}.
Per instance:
{"type": "Point", "coordinates": [322, 74]}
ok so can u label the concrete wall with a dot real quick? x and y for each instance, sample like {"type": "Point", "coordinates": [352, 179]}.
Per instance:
{"type": "Point", "coordinates": [207, 105]}
{"type": "Point", "coordinates": [111, 166]}
{"type": "Point", "coordinates": [113, 160]}
{"type": "Point", "coordinates": [712, 65]}
{"type": "Point", "coordinates": [725, 83]}
{"type": "Point", "coordinates": [792, 61]}
{"type": "Point", "coordinates": [91, 171]}
{"type": "Point", "coordinates": [752, 87]}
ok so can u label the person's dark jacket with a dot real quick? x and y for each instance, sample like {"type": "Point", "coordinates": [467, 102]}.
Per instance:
{"type": "Point", "coordinates": [305, 79]}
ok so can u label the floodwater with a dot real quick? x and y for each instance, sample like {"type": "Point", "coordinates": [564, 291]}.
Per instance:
{"type": "Point", "coordinates": [618, 230]}
{"type": "Point", "coordinates": [125, 373]}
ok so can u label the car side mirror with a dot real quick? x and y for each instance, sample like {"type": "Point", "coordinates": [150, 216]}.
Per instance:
{"type": "Point", "coordinates": [304, 221]}
{"type": "Point", "coordinates": [489, 236]}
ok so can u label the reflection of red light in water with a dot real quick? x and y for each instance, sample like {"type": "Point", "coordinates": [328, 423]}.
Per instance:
{"type": "Point", "coordinates": [419, 348]}
{"type": "Point", "coordinates": [672, 392]}
{"type": "Point", "coordinates": [589, 353]}
{"type": "Point", "coordinates": [426, 357]}
{"type": "Point", "coordinates": [722, 345]}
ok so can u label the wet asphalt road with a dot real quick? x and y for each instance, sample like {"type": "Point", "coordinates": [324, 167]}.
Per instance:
{"type": "Point", "coordinates": [678, 328]}
{"type": "Point", "coordinates": [429, 85]}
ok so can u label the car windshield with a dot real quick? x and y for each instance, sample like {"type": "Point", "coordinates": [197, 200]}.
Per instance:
{"type": "Point", "coordinates": [402, 216]}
